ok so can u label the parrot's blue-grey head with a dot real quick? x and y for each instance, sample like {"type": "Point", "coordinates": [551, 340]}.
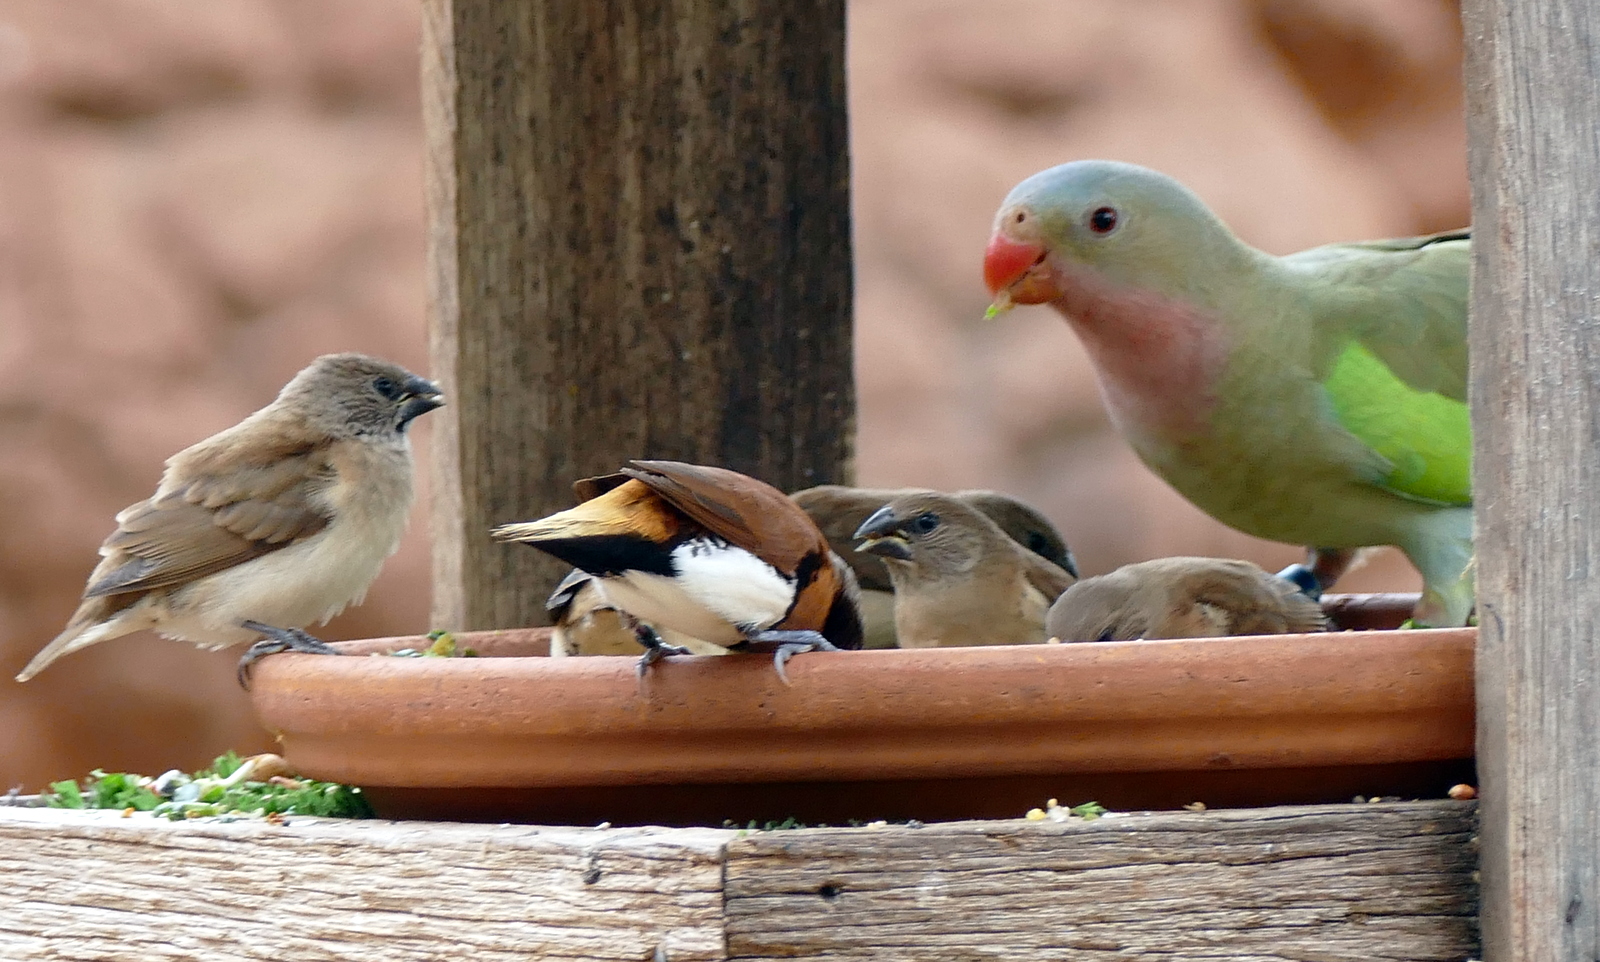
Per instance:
{"type": "Point", "coordinates": [1133, 226]}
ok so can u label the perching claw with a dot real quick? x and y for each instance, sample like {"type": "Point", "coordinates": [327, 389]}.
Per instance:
{"type": "Point", "coordinates": [654, 648]}
{"type": "Point", "coordinates": [787, 644]}
{"type": "Point", "coordinates": [278, 640]}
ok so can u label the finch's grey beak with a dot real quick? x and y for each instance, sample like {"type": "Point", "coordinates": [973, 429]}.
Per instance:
{"type": "Point", "coordinates": [420, 397]}
{"type": "Point", "coordinates": [882, 533]}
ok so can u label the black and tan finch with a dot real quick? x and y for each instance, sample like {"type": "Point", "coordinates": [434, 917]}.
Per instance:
{"type": "Point", "coordinates": [585, 623]}
{"type": "Point", "coordinates": [708, 552]}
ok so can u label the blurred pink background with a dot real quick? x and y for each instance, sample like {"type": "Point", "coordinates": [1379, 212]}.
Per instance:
{"type": "Point", "coordinates": [198, 196]}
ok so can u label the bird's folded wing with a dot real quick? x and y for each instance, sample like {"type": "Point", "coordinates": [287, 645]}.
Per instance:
{"type": "Point", "coordinates": [1047, 577]}
{"type": "Point", "coordinates": [216, 521]}
{"type": "Point", "coordinates": [1404, 300]}
{"type": "Point", "coordinates": [740, 510]}
{"type": "Point", "coordinates": [1392, 326]}
{"type": "Point", "coordinates": [1254, 600]}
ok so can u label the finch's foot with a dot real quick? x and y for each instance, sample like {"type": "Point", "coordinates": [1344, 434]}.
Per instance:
{"type": "Point", "coordinates": [787, 644]}
{"type": "Point", "coordinates": [276, 641]}
{"type": "Point", "coordinates": [654, 648]}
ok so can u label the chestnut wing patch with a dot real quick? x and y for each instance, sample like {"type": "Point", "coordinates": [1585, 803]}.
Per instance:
{"type": "Point", "coordinates": [739, 509]}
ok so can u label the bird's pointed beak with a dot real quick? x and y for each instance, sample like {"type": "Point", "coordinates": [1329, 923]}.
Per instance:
{"type": "Point", "coordinates": [882, 533]}
{"type": "Point", "coordinates": [421, 396]}
{"type": "Point", "coordinates": [1016, 273]}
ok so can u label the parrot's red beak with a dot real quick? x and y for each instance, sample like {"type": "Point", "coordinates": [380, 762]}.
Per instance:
{"type": "Point", "coordinates": [1015, 273]}
{"type": "Point", "coordinates": [1007, 260]}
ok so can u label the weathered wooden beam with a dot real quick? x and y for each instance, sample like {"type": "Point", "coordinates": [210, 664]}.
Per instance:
{"type": "Point", "coordinates": [1533, 110]}
{"type": "Point", "coordinates": [640, 247]}
{"type": "Point", "coordinates": [1390, 881]}
{"type": "Point", "coordinates": [87, 886]}
{"type": "Point", "coordinates": [1330, 883]}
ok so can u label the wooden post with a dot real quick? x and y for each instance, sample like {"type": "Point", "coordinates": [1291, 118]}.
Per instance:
{"type": "Point", "coordinates": [1533, 99]}
{"type": "Point", "coordinates": [640, 247]}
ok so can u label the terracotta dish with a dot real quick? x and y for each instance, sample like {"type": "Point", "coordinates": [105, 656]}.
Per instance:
{"type": "Point", "coordinates": [1109, 713]}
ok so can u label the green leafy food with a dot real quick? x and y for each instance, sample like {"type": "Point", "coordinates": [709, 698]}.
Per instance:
{"type": "Point", "coordinates": [1056, 812]}
{"type": "Point", "coordinates": [226, 788]}
{"type": "Point", "coordinates": [120, 790]}
{"type": "Point", "coordinates": [65, 795]}
{"type": "Point", "coordinates": [441, 644]}
{"type": "Point", "coordinates": [224, 766]}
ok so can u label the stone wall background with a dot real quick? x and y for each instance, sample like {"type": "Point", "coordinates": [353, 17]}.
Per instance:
{"type": "Point", "coordinates": [197, 196]}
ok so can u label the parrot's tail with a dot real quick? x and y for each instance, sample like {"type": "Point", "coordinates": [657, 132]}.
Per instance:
{"type": "Point", "coordinates": [1442, 552]}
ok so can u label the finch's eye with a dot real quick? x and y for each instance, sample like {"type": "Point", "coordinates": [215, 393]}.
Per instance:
{"type": "Point", "coordinates": [386, 387]}
{"type": "Point", "coordinates": [925, 523]}
{"type": "Point", "coordinates": [1103, 220]}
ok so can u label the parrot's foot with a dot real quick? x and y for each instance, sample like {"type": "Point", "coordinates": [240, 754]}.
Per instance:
{"type": "Point", "coordinates": [1303, 578]}
{"type": "Point", "coordinates": [277, 641]}
{"type": "Point", "coordinates": [654, 648]}
{"type": "Point", "coordinates": [1328, 565]}
{"type": "Point", "coordinates": [1322, 567]}
{"type": "Point", "coordinates": [1446, 561]}
{"type": "Point", "coordinates": [785, 645]}
{"type": "Point", "coordinates": [1449, 609]}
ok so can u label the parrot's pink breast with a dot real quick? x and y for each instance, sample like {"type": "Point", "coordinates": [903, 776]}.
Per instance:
{"type": "Point", "coordinates": [1159, 359]}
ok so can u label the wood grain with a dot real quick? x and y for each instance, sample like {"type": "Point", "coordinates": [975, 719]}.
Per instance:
{"type": "Point", "coordinates": [640, 247]}
{"type": "Point", "coordinates": [1533, 95]}
{"type": "Point", "coordinates": [1324, 882]}
{"type": "Point", "coordinates": [85, 886]}
{"type": "Point", "coordinates": [1391, 881]}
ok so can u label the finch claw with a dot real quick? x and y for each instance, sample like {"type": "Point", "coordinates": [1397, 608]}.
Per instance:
{"type": "Point", "coordinates": [654, 648]}
{"type": "Point", "coordinates": [787, 644]}
{"type": "Point", "coordinates": [276, 641]}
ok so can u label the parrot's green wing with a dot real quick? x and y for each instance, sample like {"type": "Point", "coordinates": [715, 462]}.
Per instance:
{"type": "Point", "coordinates": [1391, 349]}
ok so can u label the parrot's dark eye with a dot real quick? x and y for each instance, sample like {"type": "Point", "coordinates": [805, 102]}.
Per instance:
{"type": "Point", "coordinates": [1021, 216]}
{"type": "Point", "coordinates": [385, 387]}
{"type": "Point", "coordinates": [925, 523]}
{"type": "Point", "coordinates": [1103, 220]}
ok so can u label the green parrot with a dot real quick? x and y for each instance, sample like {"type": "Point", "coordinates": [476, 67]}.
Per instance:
{"type": "Point", "coordinates": [1317, 398]}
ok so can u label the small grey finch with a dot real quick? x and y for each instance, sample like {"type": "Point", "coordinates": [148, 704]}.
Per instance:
{"type": "Point", "coordinates": [958, 578]}
{"type": "Point", "coordinates": [271, 525]}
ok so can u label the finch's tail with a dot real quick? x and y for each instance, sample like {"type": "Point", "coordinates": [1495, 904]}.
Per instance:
{"type": "Point", "coordinates": [90, 625]}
